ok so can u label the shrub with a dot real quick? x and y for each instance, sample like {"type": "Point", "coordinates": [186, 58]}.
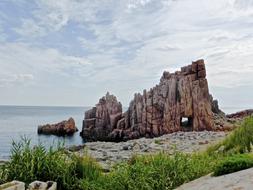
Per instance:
{"type": "Point", "coordinates": [233, 164]}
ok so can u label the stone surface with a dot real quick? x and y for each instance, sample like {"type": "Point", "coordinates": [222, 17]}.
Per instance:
{"type": "Point", "coordinates": [63, 128]}
{"type": "Point", "coordinates": [109, 153]}
{"type": "Point", "coordinates": [14, 185]}
{"type": "Point", "coordinates": [241, 180]}
{"type": "Point", "coordinates": [39, 185]}
{"type": "Point", "coordinates": [161, 110]}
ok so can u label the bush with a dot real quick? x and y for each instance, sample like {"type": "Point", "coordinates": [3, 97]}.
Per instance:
{"type": "Point", "coordinates": [233, 164]}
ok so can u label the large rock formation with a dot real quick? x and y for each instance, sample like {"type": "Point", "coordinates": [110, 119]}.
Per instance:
{"type": "Point", "coordinates": [180, 102]}
{"type": "Point", "coordinates": [63, 128]}
{"type": "Point", "coordinates": [101, 120]}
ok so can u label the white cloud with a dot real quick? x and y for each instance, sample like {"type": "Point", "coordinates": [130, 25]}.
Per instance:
{"type": "Point", "coordinates": [30, 28]}
{"type": "Point", "coordinates": [15, 79]}
{"type": "Point", "coordinates": [133, 41]}
{"type": "Point", "coordinates": [23, 58]}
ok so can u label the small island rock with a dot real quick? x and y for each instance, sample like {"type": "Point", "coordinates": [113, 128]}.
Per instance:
{"type": "Point", "coordinates": [66, 127]}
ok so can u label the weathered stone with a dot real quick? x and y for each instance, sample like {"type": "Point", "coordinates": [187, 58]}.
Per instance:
{"type": "Point", "coordinates": [39, 185]}
{"type": "Point", "coordinates": [179, 96]}
{"type": "Point", "coordinates": [63, 128]}
{"type": "Point", "coordinates": [241, 180]}
{"type": "Point", "coordinates": [14, 185]}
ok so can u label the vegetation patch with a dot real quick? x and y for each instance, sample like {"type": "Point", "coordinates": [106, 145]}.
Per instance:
{"type": "Point", "coordinates": [28, 164]}
{"type": "Point", "coordinates": [233, 164]}
{"type": "Point", "coordinates": [239, 141]}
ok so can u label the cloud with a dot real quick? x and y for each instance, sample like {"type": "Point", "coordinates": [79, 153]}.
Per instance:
{"type": "Point", "coordinates": [124, 46]}
{"type": "Point", "coordinates": [30, 29]}
{"type": "Point", "coordinates": [15, 79]}
{"type": "Point", "coordinates": [169, 47]}
{"type": "Point", "coordinates": [24, 58]}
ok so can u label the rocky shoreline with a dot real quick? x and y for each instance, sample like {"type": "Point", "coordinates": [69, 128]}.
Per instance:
{"type": "Point", "coordinates": [109, 153]}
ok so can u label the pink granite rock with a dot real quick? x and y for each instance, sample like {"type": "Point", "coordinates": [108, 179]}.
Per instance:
{"type": "Point", "coordinates": [63, 128]}
{"type": "Point", "coordinates": [101, 120]}
{"type": "Point", "coordinates": [180, 102]}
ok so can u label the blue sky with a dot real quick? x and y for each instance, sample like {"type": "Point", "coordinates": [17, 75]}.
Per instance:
{"type": "Point", "coordinates": [71, 52]}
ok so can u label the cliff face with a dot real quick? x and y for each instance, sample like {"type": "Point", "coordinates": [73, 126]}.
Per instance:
{"type": "Point", "coordinates": [180, 102]}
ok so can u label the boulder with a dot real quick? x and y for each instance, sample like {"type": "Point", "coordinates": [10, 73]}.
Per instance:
{"type": "Point", "coordinates": [66, 127]}
{"type": "Point", "coordinates": [180, 102]}
{"type": "Point", "coordinates": [39, 185]}
{"type": "Point", "coordinates": [14, 185]}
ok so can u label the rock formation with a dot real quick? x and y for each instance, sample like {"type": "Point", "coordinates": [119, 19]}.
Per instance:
{"type": "Point", "coordinates": [241, 114]}
{"type": "Point", "coordinates": [63, 128]}
{"type": "Point", "coordinates": [101, 120]}
{"type": "Point", "coordinates": [180, 102]}
{"type": "Point", "coordinates": [215, 106]}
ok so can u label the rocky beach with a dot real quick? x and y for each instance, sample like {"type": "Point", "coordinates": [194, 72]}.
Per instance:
{"type": "Point", "coordinates": [109, 153]}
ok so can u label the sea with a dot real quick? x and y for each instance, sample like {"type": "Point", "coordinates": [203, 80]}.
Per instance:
{"type": "Point", "coordinates": [17, 122]}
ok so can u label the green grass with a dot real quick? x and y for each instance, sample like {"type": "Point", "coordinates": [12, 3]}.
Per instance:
{"type": "Point", "coordinates": [233, 164]}
{"type": "Point", "coordinates": [159, 171]}
{"type": "Point", "coordinates": [28, 164]}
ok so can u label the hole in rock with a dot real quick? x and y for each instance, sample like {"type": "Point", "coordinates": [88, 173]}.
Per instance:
{"type": "Point", "coordinates": [186, 122]}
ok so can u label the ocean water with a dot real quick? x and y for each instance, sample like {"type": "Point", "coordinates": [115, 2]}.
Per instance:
{"type": "Point", "coordinates": [18, 121]}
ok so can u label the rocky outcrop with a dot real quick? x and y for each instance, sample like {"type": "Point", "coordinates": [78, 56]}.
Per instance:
{"type": "Point", "coordinates": [241, 114]}
{"type": "Point", "coordinates": [180, 102]}
{"type": "Point", "coordinates": [63, 128]}
{"type": "Point", "coordinates": [101, 120]}
{"type": "Point", "coordinates": [215, 106]}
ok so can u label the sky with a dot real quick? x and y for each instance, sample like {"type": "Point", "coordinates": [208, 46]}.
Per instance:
{"type": "Point", "coordinates": [71, 52]}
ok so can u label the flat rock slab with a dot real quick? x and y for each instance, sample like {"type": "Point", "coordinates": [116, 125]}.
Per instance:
{"type": "Point", "coordinates": [242, 180]}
